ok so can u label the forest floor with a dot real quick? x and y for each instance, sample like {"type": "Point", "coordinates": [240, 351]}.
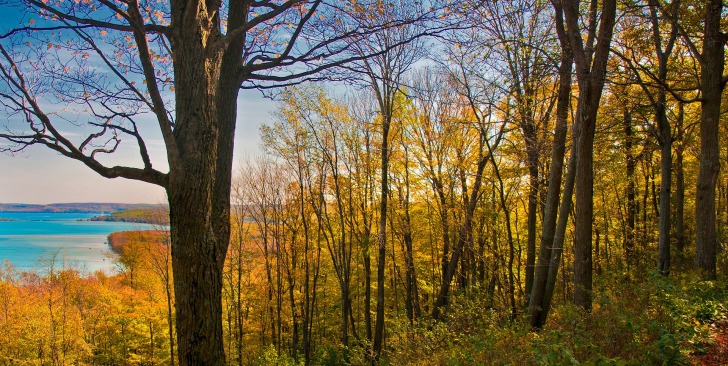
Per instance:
{"type": "Point", "coordinates": [718, 352]}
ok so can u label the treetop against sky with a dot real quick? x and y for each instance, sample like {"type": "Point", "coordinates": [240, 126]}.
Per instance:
{"type": "Point", "coordinates": [38, 175]}
{"type": "Point", "coordinates": [82, 60]}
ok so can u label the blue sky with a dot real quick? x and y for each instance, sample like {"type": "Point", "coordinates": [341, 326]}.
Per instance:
{"type": "Point", "coordinates": [39, 175]}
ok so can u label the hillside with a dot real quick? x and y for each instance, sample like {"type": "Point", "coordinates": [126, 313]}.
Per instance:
{"type": "Point", "coordinates": [156, 215]}
{"type": "Point", "coordinates": [74, 207]}
{"type": "Point", "coordinates": [123, 239]}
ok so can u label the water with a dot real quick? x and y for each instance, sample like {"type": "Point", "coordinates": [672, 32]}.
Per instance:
{"type": "Point", "coordinates": [31, 239]}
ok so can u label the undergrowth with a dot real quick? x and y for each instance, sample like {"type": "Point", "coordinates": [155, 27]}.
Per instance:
{"type": "Point", "coordinates": [650, 321]}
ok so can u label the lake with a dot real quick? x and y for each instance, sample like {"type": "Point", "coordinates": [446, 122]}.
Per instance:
{"type": "Point", "coordinates": [30, 239]}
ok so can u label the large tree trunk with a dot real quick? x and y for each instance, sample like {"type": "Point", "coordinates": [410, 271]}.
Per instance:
{"type": "Point", "coordinates": [197, 255]}
{"type": "Point", "coordinates": [199, 195]}
{"type": "Point", "coordinates": [199, 185]}
{"type": "Point", "coordinates": [712, 64]}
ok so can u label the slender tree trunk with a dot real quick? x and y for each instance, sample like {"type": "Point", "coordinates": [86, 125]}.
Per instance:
{"type": "Point", "coordinates": [367, 286]}
{"type": "Point", "coordinates": [533, 195]}
{"type": "Point", "coordinates": [665, 187]}
{"type": "Point", "coordinates": [170, 320]}
{"type": "Point", "coordinates": [680, 184]}
{"type": "Point", "coordinates": [590, 70]}
{"type": "Point", "coordinates": [444, 213]}
{"type": "Point", "coordinates": [412, 296]}
{"type": "Point", "coordinates": [537, 306]}
{"type": "Point", "coordinates": [382, 238]}
{"type": "Point", "coordinates": [443, 297]}
{"type": "Point", "coordinates": [629, 239]}
{"type": "Point", "coordinates": [509, 232]}
{"type": "Point", "coordinates": [367, 244]}
{"type": "Point", "coordinates": [712, 64]}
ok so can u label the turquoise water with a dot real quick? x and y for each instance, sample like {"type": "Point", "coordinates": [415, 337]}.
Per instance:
{"type": "Point", "coordinates": [30, 240]}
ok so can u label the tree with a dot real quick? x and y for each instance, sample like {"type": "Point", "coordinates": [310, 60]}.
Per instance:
{"type": "Point", "coordinates": [513, 29]}
{"type": "Point", "coordinates": [591, 67]}
{"type": "Point", "coordinates": [477, 97]}
{"type": "Point", "coordinates": [712, 83]}
{"type": "Point", "coordinates": [384, 74]}
{"type": "Point", "coordinates": [552, 236]}
{"type": "Point", "coordinates": [180, 64]}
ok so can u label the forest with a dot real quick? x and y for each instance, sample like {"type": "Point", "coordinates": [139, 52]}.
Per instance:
{"type": "Point", "coordinates": [472, 182]}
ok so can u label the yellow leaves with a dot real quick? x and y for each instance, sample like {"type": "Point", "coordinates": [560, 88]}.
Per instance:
{"type": "Point", "coordinates": [31, 21]}
{"type": "Point", "coordinates": [103, 32]}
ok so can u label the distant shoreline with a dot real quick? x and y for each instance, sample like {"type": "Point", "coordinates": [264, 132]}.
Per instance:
{"type": "Point", "coordinates": [153, 216]}
{"type": "Point", "coordinates": [82, 207]}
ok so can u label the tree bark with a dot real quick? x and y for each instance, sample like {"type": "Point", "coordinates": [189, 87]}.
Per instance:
{"type": "Point", "coordinates": [199, 191]}
{"type": "Point", "coordinates": [712, 65]}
